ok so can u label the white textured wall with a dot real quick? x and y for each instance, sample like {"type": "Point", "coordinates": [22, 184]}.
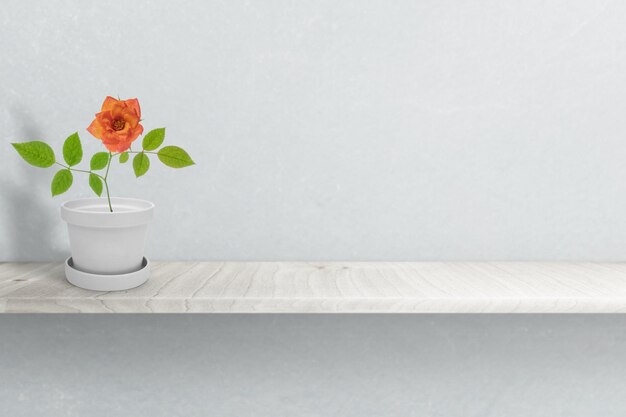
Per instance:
{"type": "Point", "coordinates": [333, 130]}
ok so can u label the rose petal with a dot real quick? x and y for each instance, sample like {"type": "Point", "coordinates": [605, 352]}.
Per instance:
{"type": "Point", "coordinates": [130, 118]}
{"type": "Point", "coordinates": [108, 104]}
{"type": "Point", "coordinates": [133, 104]}
{"type": "Point", "coordinates": [95, 128]}
{"type": "Point", "coordinates": [123, 146]}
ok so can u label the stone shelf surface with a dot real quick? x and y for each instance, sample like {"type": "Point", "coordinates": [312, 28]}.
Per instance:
{"type": "Point", "coordinates": [329, 287]}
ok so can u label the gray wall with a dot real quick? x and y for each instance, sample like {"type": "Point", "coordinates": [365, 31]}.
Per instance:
{"type": "Point", "coordinates": [333, 130]}
{"type": "Point", "coordinates": [313, 366]}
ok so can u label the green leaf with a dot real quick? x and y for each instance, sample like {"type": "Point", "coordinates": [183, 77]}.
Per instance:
{"type": "Point", "coordinates": [141, 163]}
{"type": "Point", "coordinates": [36, 153]}
{"type": "Point", "coordinates": [96, 184]}
{"type": "Point", "coordinates": [153, 139]}
{"type": "Point", "coordinates": [61, 182]}
{"type": "Point", "coordinates": [175, 157]}
{"type": "Point", "coordinates": [124, 157]}
{"type": "Point", "coordinates": [99, 161]}
{"type": "Point", "coordinates": [72, 150]}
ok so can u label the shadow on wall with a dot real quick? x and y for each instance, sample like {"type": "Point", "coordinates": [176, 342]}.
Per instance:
{"type": "Point", "coordinates": [30, 221]}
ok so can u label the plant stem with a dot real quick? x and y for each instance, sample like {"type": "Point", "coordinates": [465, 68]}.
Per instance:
{"type": "Point", "coordinates": [104, 179]}
{"type": "Point", "coordinates": [79, 170]}
{"type": "Point", "coordinates": [129, 151]}
{"type": "Point", "coordinates": [106, 184]}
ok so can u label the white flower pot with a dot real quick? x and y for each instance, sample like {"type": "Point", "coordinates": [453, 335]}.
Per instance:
{"type": "Point", "coordinates": [106, 243]}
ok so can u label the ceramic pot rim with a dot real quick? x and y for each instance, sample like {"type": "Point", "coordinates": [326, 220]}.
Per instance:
{"type": "Point", "coordinates": [94, 212]}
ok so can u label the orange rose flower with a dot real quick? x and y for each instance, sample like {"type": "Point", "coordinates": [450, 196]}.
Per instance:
{"type": "Point", "coordinates": [117, 124]}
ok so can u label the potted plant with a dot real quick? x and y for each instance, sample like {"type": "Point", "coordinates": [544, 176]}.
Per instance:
{"type": "Point", "coordinates": [107, 234]}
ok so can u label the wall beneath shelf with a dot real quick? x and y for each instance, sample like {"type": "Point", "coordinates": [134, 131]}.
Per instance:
{"type": "Point", "coordinates": [280, 365]}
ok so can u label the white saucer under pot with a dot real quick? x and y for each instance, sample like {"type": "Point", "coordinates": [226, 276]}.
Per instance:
{"type": "Point", "coordinates": [98, 282]}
